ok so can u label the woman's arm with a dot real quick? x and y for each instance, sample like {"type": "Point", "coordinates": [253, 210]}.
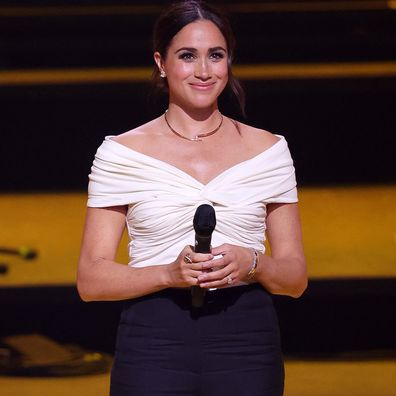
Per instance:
{"type": "Point", "coordinates": [99, 277]}
{"type": "Point", "coordinates": [284, 272]}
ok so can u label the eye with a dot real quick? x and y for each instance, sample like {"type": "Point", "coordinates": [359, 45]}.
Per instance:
{"type": "Point", "coordinates": [187, 56]}
{"type": "Point", "coordinates": [218, 55]}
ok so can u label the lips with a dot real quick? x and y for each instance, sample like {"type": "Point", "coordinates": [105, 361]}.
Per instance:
{"type": "Point", "coordinates": [202, 87]}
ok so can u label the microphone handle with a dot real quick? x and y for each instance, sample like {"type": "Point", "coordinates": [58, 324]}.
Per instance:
{"type": "Point", "coordinates": [202, 245]}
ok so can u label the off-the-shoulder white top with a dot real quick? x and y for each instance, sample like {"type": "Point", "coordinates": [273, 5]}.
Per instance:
{"type": "Point", "coordinates": [162, 199]}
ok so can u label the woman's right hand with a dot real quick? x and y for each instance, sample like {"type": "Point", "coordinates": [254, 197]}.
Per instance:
{"type": "Point", "coordinates": [184, 271]}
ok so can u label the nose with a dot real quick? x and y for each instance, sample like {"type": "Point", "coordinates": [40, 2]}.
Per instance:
{"type": "Point", "coordinates": [203, 70]}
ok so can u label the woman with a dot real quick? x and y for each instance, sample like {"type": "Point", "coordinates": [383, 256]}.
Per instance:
{"type": "Point", "coordinates": [153, 178]}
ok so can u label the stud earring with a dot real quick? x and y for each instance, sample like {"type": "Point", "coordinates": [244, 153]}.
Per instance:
{"type": "Point", "coordinates": [162, 74]}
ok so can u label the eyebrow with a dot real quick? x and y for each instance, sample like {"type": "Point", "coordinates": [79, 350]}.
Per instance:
{"type": "Point", "coordinates": [191, 49]}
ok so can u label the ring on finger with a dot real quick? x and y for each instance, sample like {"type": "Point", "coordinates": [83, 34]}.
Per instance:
{"type": "Point", "coordinates": [229, 279]}
{"type": "Point", "coordinates": [187, 259]}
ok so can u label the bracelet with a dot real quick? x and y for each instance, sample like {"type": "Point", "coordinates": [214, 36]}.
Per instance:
{"type": "Point", "coordinates": [252, 271]}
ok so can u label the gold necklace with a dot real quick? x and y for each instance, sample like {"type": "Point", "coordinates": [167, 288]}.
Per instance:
{"type": "Point", "coordinates": [196, 138]}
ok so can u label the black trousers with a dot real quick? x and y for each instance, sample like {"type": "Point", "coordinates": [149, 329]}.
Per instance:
{"type": "Point", "coordinates": [230, 346]}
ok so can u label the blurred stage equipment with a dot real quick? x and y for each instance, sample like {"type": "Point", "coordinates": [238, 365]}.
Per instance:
{"type": "Point", "coordinates": [21, 251]}
{"type": "Point", "coordinates": [36, 355]}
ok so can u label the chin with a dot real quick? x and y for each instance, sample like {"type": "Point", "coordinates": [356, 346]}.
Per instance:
{"type": "Point", "coordinates": [204, 103]}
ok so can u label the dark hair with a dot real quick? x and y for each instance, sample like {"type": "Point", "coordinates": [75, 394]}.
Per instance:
{"type": "Point", "coordinates": [176, 17]}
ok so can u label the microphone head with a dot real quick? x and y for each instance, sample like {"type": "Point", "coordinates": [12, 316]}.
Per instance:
{"type": "Point", "coordinates": [204, 220]}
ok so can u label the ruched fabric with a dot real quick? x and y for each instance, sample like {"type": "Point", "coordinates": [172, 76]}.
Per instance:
{"type": "Point", "coordinates": [162, 199]}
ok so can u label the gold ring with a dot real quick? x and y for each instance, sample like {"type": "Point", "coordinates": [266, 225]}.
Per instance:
{"type": "Point", "coordinates": [187, 259]}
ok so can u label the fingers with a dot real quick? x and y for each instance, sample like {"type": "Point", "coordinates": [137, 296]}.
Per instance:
{"type": "Point", "coordinates": [222, 249]}
{"type": "Point", "coordinates": [190, 257]}
{"type": "Point", "coordinates": [220, 282]}
{"type": "Point", "coordinates": [230, 268]}
{"type": "Point", "coordinates": [193, 263]}
{"type": "Point", "coordinates": [185, 270]}
{"type": "Point", "coordinates": [187, 258]}
{"type": "Point", "coordinates": [221, 273]}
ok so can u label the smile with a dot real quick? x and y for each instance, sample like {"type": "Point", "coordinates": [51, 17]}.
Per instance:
{"type": "Point", "coordinates": [202, 87]}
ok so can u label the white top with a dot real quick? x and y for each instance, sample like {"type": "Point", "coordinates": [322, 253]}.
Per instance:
{"type": "Point", "coordinates": [162, 199]}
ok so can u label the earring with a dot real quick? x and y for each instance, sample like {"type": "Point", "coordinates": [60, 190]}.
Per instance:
{"type": "Point", "coordinates": [162, 74]}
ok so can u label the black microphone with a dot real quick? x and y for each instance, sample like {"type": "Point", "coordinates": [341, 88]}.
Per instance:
{"type": "Point", "coordinates": [204, 224]}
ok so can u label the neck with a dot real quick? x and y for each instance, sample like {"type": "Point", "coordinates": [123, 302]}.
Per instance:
{"type": "Point", "coordinates": [195, 122]}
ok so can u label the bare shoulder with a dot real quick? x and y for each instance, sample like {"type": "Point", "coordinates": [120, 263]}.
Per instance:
{"type": "Point", "coordinates": [139, 136]}
{"type": "Point", "coordinates": [256, 137]}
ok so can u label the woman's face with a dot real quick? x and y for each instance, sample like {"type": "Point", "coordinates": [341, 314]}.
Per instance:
{"type": "Point", "coordinates": [196, 65]}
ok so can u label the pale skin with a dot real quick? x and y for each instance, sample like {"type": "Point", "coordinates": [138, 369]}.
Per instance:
{"type": "Point", "coordinates": [197, 72]}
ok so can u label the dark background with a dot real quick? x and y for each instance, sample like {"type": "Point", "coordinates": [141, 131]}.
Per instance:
{"type": "Point", "coordinates": [340, 131]}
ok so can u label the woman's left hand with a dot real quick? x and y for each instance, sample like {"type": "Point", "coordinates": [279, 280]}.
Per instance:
{"type": "Point", "coordinates": [231, 268]}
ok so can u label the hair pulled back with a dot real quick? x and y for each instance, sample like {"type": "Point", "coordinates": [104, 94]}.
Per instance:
{"type": "Point", "coordinates": [176, 17]}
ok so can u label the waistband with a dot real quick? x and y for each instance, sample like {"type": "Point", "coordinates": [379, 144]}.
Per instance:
{"type": "Point", "coordinates": [214, 300]}
{"type": "Point", "coordinates": [211, 295]}
{"type": "Point", "coordinates": [217, 291]}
